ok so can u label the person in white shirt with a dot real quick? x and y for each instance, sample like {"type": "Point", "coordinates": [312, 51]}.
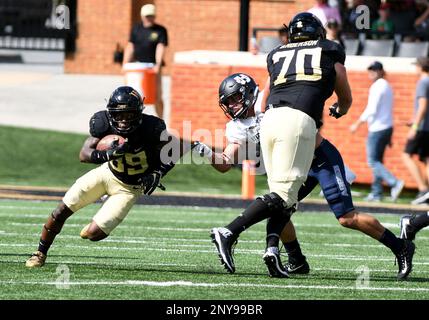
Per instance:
{"type": "Point", "coordinates": [378, 115]}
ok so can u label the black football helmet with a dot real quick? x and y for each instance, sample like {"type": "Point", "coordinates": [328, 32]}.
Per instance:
{"type": "Point", "coordinates": [306, 26]}
{"type": "Point", "coordinates": [237, 93]}
{"type": "Point", "coordinates": [125, 110]}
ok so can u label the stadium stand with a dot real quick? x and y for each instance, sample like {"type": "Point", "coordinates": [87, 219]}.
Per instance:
{"type": "Point", "coordinates": [352, 46]}
{"type": "Point", "coordinates": [412, 49]}
{"type": "Point", "coordinates": [379, 48]}
{"type": "Point", "coordinates": [266, 44]}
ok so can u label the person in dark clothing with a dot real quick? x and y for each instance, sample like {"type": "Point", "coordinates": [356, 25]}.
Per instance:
{"type": "Point", "coordinates": [147, 43]}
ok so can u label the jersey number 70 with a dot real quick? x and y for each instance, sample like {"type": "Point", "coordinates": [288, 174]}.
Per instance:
{"type": "Point", "coordinates": [307, 60]}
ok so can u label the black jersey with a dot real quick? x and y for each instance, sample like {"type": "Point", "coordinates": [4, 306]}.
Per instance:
{"type": "Point", "coordinates": [302, 75]}
{"type": "Point", "coordinates": [145, 146]}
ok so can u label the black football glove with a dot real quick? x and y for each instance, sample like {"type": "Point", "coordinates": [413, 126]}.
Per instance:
{"type": "Point", "coordinates": [151, 181]}
{"type": "Point", "coordinates": [117, 150]}
{"type": "Point", "coordinates": [333, 111]}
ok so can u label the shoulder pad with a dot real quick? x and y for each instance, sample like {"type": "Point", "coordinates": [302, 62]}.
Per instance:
{"type": "Point", "coordinates": [154, 124]}
{"type": "Point", "coordinates": [99, 124]}
{"type": "Point", "coordinates": [334, 49]}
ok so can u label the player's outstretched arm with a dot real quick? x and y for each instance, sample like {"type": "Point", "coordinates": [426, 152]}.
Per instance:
{"type": "Point", "coordinates": [222, 162]}
{"type": "Point", "coordinates": [342, 89]}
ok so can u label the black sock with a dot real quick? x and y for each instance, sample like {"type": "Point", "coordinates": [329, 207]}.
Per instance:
{"type": "Point", "coordinates": [293, 250]}
{"type": "Point", "coordinates": [44, 246]}
{"type": "Point", "coordinates": [420, 221]}
{"type": "Point", "coordinates": [273, 240]}
{"type": "Point", "coordinates": [391, 241]}
{"type": "Point", "coordinates": [275, 226]}
{"type": "Point", "coordinates": [256, 212]}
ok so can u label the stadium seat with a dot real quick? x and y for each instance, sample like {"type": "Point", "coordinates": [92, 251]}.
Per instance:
{"type": "Point", "coordinates": [381, 48]}
{"type": "Point", "coordinates": [412, 49]}
{"type": "Point", "coordinates": [352, 46]}
{"type": "Point", "coordinates": [266, 44]}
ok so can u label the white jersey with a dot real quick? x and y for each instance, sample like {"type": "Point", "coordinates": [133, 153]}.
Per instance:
{"type": "Point", "coordinates": [245, 132]}
{"type": "Point", "coordinates": [242, 130]}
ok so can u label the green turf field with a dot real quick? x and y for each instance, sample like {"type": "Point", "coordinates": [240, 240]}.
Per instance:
{"type": "Point", "coordinates": [166, 253]}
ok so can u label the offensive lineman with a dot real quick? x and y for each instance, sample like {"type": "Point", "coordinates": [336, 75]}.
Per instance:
{"type": "Point", "coordinates": [125, 172]}
{"type": "Point", "coordinates": [303, 74]}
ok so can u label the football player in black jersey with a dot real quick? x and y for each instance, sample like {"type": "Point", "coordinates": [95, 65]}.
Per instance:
{"type": "Point", "coordinates": [125, 172]}
{"type": "Point", "coordinates": [303, 75]}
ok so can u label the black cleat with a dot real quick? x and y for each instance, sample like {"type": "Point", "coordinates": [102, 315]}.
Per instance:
{"type": "Point", "coordinates": [274, 264]}
{"type": "Point", "coordinates": [297, 267]}
{"type": "Point", "coordinates": [408, 232]}
{"type": "Point", "coordinates": [405, 259]}
{"type": "Point", "coordinates": [224, 241]}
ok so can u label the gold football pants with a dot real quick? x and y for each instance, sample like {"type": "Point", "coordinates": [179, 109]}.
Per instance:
{"type": "Point", "coordinates": [93, 185]}
{"type": "Point", "coordinates": [288, 138]}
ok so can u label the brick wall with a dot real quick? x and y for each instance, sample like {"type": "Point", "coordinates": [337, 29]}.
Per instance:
{"type": "Point", "coordinates": [194, 98]}
{"type": "Point", "coordinates": [101, 25]}
{"type": "Point", "coordinates": [192, 25]}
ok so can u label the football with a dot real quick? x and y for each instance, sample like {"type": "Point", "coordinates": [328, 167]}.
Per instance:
{"type": "Point", "coordinates": [109, 141]}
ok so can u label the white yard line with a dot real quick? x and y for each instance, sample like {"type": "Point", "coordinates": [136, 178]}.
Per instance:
{"type": "Point", "coordinates": [178, 248]}
{"type": "Point", "coordinates": [157, 240]}
{"type": "Point", "coordinates": [56, 260]}
{"type": "Point", "coordinates": [136, 283]}
{"type": "Point", "coordinates": [346, 234]}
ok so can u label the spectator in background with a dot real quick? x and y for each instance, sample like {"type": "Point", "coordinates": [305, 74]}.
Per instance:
{"type": "Point", "coordinates": [383, 27]}
{"type": "Point", "coordinates": [324, 12]}
{"type": "Point", "coordinates": [403, 16]}
{"type": "Point", "coordinates": [351, 16]}
{"type": "Point", "coordinates": [418, 136]}
{"type": "Point", "coordinates": [147, 43]}
{"type": "Point", "coordinates": [333, 32]}
{"type": "Point", "coordinates": [378, 115]}
{"type": "Point", "coordinates": [422, 22]}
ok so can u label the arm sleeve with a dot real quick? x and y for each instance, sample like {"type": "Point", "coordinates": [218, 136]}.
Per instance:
{"type": "Point", "coordinates": [340, 54]}
{"type": "Point", "coordinates": [163, 36]}
{"type": "Point", "coordinates": [154, 152]}
{"type": "Point", "coordinates": [334, 50]}
{"type": "Point", "coordinates": [373, 100]}
{"type": "Point", "coordinates": [422, 90]}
